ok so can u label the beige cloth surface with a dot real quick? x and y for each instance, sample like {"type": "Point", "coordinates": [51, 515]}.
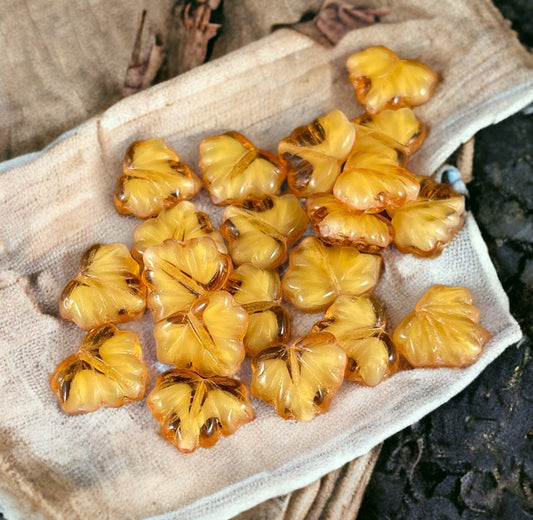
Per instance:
{"type": "Point", "coordinates": [54, 205]}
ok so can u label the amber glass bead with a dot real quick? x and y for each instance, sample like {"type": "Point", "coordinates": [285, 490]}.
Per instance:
{"type": "Point", "coordinates": [108, 370]}
{"type": "Point", "coordinates": [443, 330]}
{"type": "Point", "coordinates": [107, 288]}
{"type": "Point", "coordinates": [181, 222]}
{"type": "Point", "coordinates": [301, 379]}
{"type": "Point", "coordinates": [261, 231]}
{"type": "Point", "coordinates": [179, 272]}
{"type": "Point", "coordinates": [153, 178]}
{"type": "Point", "coordinates": [313, 154]}
{"type": "Point", "coordinates": [259, 292]}
{"type": "Point", "coordinates": [392, 126]}
{"type": "Point", "coordinates": [373, 183]}
{"type": "Point", "coordinates": [208, 338]}
{"type": "Point", "coordinates": [358, 324]}
{"type": "Point", "coordinates": [318, 273]}
{"type": "Point", "coordinates": [195, 411]}
{"type": "Point", "coordinates": [235, 170]}
{"type": "Point", "coordinates": [382, 80]}
{"type": "Point", "coordinates": [424, 227]}
{"type": "Point", "coordinates": [336, 223]}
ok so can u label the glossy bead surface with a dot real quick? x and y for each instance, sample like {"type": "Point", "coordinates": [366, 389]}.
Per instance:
{"type": "Point", "coordinates": [179, 272]}
{"type": "Point", "coordinates": [313, 154]}
{"type": "Point", "coordinates": [235, 170]}
{"type": "Point", "coordinates": [425, 226]}
{"type": "Point", "coordinates": [153, 178]}
{"type": "Point", "coordinates": [443, 330]}
{"type": "Point", "coordinates": [382, 80]}
{"type": "Point", "coordinates": [301, 379]}
{"type": "Point", "coordinates": [261, 231]}
{"type": "Point", "coordinates": [358, 324]}
{"type": "Point", "coordinates": [336, 223]}
{"type": "Point", "coordinates": [196, 411]}
{"type": "Point", "coordinates": [208, 338]}
{"type": "Point", "coordinates": [108, 370]}
{"type": "Point", "coordinates": [259, 292]}
{"type": "Point", "coordinates": [181, 222]}
{"type": "Point", "coordinates": [319, 273]}
{"type": "Point", "coordinates": [107, 288]}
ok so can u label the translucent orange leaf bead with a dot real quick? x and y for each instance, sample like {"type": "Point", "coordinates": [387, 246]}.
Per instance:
{"type": "Point", "coordinates": [235, 170]}
{"type": "Point", "coordinates": [313, 154]}
{"type": "Point", "coordinates": [153, 178]}
{"type": "Point", "coordinates": [208, 338]}
{"type": "Point", "coordinates": [382, 80]}
{"type": "Point", "coordinates": [424, 227]}
{"type": "Point", "coordinates": [108, 370]}
{"type": "Point", "coordinates": [443, 331]}
{"type": "Point", "coordinates": [107, 288]}
{"type": "Point", "coordinates": [261, 231]}
{"type": "Point", "coordinates": [196, 411]}
{"type": "Point", "coordinates": [370, 140]}
{"type": "Point", "coordinates": [179, 272]}
{"type": "Point", "coordinates": [259, 292]}
{"type": "Point", "coordinates": [336, 223]}
{"type": "Point", "coordinates": [318, 273]}
{"type": "Point", "coordinates": [373, 183]}
{"type": "Point", "coordinates": [358, 324]}
{"type": "Point", "coordinates": [181, 222]}
{"type": "Point", "coordinates": [393, 126]}
{"type": "Point", "coordinates": [301, 379]}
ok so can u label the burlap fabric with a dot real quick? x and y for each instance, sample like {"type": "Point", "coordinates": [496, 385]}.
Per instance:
{"type": "Point", "coordinates": [54, 205]}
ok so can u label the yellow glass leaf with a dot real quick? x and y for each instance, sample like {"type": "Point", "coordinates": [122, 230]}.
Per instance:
{"type": "Point", "coordinates": [358, 324]}
{"type": "Point", "coordinates": [401, 126]}
{"type": "Point", "coordinates": [261, 231]}
{"type": "Point", "coordinates": [153, 178]}
{"type": "Point", "coordinates": [424, 227]}
{"type": "Point", "coordinates": [370, 140]}
{"type": "Point", "coordinates": [318, 273]}
{"type": "Point", "coordinates": [235, 170]}
{"type": "Point", "coordinates": [335, 223]}
{"type": "Point", "coordinates": [301, 379]}
{"type": "Point", "coordinates": [373, 183]}
{"type": "Point", "coordinates": [259, 292]}
{"type": "Point", "coordinates": [179, 272]}
{"type": "Point", "coordinates": [443, 330]}
{"type": "Point", "coordinates": [208, 338]}
{"type": "Point", "coordinates": [195, 411]}
{"type": "Point", "coordinates": [382, 80]}
{"type": "Point", "coordinates": [313, 154]}
{"type": "Point", "coordinates": [181, 222]}
{"type": "Point", "coordinates": [106, 289]}
{"type": "Point", "coordinates": [108, 370]}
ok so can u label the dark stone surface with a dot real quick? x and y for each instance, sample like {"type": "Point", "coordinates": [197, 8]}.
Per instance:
{"type": "Point", "coordinates": [473, 457]}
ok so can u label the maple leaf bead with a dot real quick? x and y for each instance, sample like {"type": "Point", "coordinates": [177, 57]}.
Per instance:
{"type": "Point", "coordinates": [108, 370]}
{"type": "Point", "coordinates": [261, 231]}
{"type": "Point", "coordinates": [208, 338]}
{"type": "Point", "coordinates": [374, 183]}
{"type": "Point", "coordinates": [235, 170]}
{"type": "Point", "coordinates": [425, 226]}
{"type": "Point", "coordinates": [319, 273]}
{"type": "Point", "coordinates": [181, 222]}
{"type": "Point", "coordinates": [443, 330]}
{"type": "Point", "coordinates": [313, 154]}
{"type": "Point", "coordinates": [195, 411]}
{"type": "Point", "coordinates": [382, 80]}
{"type": "Point", "coordinates": [177, 273]}
{"type": "Point", "coordinates": [337, 224]}
{"type": "Point", "coordinates": [301, 379]}
{"type": "Point", "coordinates": [259, 292]}
{"type": "Point", "coordinates": [106, 289]}
{"type": "Point", "coordinates": [153, 178]}
{"type": "Point", "coordinates": [358, 324]}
